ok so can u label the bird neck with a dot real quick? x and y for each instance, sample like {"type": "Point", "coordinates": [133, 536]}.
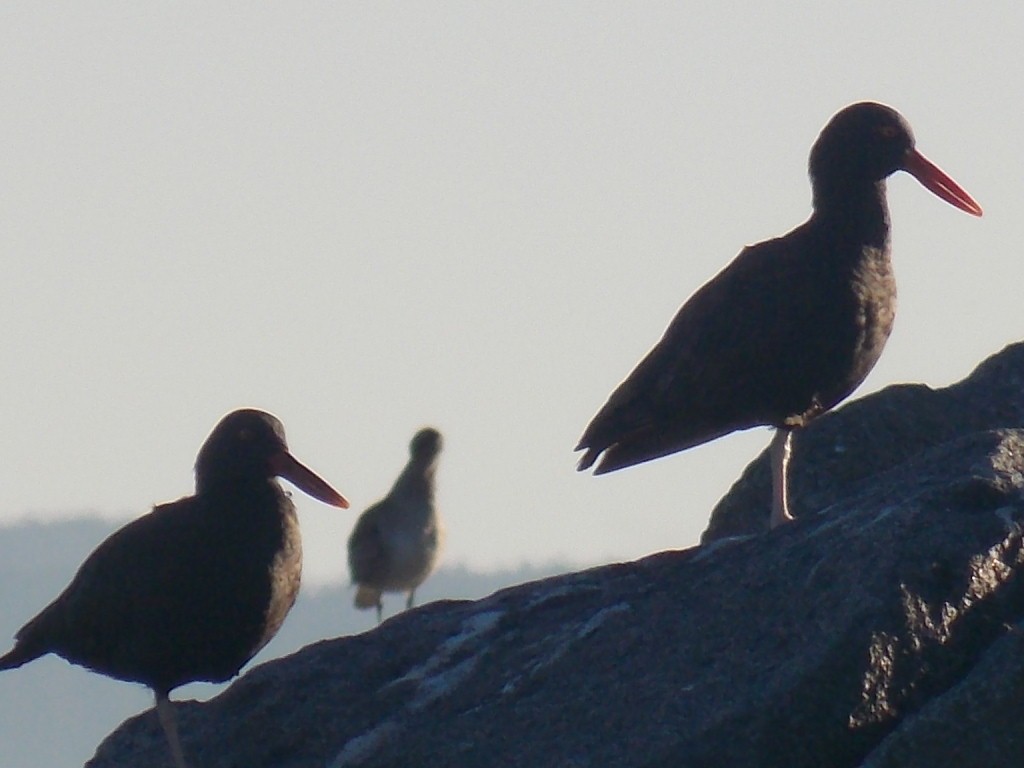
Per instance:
{"type": "Point", "coordinates": [854, 212]}
{"type": "Point", "coordinates": [417, 480]}
{"type": "Point", "coordinates": [237, 487]}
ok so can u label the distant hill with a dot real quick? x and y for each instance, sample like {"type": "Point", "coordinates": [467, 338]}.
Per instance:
{"type": "Point", "coordinates": [54, 714]}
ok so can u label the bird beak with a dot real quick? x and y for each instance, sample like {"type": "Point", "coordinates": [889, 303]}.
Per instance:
{"type": "Point", "coordinates": [302, 477]}
{"type": "Point", "coordinates": [938, 183]}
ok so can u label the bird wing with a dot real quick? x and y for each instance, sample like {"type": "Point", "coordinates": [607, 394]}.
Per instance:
{"type": "Point", "coordinates": [366, 546]}
{"type": "Point", "coordinates": [702, 379]}
{"type": "Point", "coordinates": [113, 593]}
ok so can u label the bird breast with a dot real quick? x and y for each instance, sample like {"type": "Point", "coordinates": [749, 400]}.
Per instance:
{"type": "Point", "coordinates": [874, 290]}
{"type": "Point", "coordinates": [411, 540]}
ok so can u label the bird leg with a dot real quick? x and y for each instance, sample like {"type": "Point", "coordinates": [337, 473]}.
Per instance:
{"type": "Point", "coordinates": [380, 609]}
{"type": "Point", "coordinates": [780, 449]}
{"type": "Point", "coordinates": [412, 595]}
{"type": "Point", "coordinates": [165, 712]}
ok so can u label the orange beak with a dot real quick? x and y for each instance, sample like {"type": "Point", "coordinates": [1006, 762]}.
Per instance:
{"type": "Point", "coordinates": [302, 477]}
{"type": "Point", "coordinates": [938, 183]}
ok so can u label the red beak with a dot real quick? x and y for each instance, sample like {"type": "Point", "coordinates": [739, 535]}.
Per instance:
{"type": "Point", "coordinates": [302, 477]}
{"type": "Point", "coordinates": [937, 182]}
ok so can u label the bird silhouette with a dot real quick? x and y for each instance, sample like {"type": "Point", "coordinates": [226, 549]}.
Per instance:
{"type": "Point", "coordinates": [395, 543]}
{"type": "Point", "coordinates": [194, 589]}
{"type": "Point", "coordinates": [791, 327]}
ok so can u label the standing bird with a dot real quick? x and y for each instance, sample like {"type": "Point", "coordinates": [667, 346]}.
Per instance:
{"type": "Point", "coordinates": [197, 587]}
{"type": "Point", "coordinates": [791, 327]}
{"type": "Point", "coordinates": [395, 543]}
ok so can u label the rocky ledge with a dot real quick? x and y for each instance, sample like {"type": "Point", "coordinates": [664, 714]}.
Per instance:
{"type": "Point", "coordinates": [883, 628]}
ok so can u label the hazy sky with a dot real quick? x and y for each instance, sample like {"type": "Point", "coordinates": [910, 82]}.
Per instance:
{"type": "Point", "coordinates": [367, 217]}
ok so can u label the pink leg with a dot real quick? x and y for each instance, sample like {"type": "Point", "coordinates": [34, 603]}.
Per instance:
{"type": "Point", "coordinates": [779, 452]}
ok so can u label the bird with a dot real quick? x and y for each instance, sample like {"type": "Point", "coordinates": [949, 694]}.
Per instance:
{"type": "Point", "coordinates": [195, 588]}
{"type": "Point", "coordinates": [791, 326]}
{"type": "Point", "coordinates": [395, 543]}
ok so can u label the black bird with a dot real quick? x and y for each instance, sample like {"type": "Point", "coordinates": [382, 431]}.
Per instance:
{"type": "Point", "coordinates": [791, 327]}
{"type": "Point", "coordinates": [197, 587]}
{"type": "Point", "coordinates": [395, 543]}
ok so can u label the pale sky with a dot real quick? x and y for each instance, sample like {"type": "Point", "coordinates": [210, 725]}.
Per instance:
{"type": "Point", "coordinates": [368, 217]}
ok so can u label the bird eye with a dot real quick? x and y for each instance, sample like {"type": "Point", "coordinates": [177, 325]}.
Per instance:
{"type": "Point", "coordinates": [244, 435]}
{"type": "Point", "coordinates": [888, 131]}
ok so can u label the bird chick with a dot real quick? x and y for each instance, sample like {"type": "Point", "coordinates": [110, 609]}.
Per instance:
{"type": "Point", "coordinates": [395, 543]}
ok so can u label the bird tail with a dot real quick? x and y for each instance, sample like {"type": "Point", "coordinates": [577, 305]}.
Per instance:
{"type": "Point", "coordinates": [30, 642]}
{"type": "Point", "coordinates": [367, 597]}
{"type": "Point", "coordinates": [587, 460]}
{"type": "Point", "coordinates": [18, 655]}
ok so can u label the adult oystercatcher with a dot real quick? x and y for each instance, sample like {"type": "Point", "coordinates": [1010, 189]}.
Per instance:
{"type": "Point", "coordinates": [395, 543]}
{"type": "Point", "coordinates": [791, 327]}
{"type": "Point", "coordinates": [197, 587]}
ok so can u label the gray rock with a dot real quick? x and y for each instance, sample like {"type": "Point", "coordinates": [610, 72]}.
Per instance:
{"type": "Point", "coordinates": [976, 724]}
{"type": "Point", "coordinates": [841, 450]}
{"type": "Point", "coordinates": [885, 631]}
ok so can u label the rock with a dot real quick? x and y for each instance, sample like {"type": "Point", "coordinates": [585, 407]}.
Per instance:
{"type": "Point", "coordinates": [841, 450]}
{"type": "Point", "coordinates": [885, 631]}
{"type": "Point", "coordinates": [976, 724]}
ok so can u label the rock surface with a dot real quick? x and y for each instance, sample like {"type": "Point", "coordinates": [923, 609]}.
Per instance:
{"type": "Point", "coordinates": [851, 445]}
{"type": "Point", "coordinates": [886, 631]}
